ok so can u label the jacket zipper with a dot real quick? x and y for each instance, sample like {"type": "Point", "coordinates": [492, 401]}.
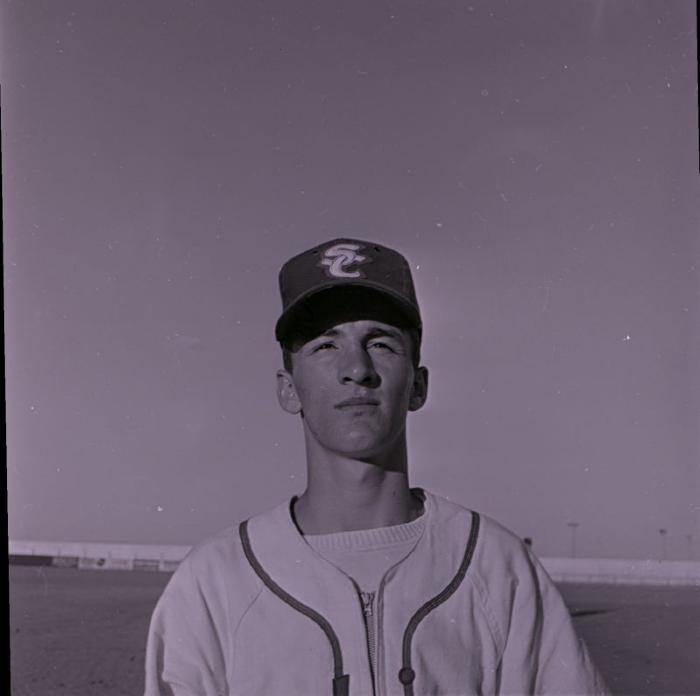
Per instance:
{"type": "Point", "coordinates": [367, 599]}
{"type": "Point", "coordinates": [371, 609]}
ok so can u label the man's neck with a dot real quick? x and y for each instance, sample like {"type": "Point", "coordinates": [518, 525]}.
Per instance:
{"type": "Point", "coordinates": [345, 494]}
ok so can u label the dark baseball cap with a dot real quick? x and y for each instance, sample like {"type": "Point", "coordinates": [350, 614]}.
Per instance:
{"type": "Point", "coordinates": [345, 276]}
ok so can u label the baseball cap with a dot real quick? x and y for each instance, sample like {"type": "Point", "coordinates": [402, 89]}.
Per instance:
{"type": "Point", "coordinates": [344, 272]}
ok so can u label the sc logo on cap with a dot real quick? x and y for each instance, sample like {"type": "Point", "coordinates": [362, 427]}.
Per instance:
{"type": "Point", "coordinates": [338, 257]}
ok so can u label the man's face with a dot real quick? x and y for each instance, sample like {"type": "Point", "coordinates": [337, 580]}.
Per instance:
{"type": "Point", "coordinates": [354, 383]}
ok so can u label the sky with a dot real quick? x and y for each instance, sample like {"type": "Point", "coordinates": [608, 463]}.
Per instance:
{"type": "Point", "coordinates": [537, 163]}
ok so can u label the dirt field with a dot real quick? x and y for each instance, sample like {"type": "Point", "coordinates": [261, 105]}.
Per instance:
{"type": "Point", "coordinates": [82, 632]}
{"type": "Point", "coordinates": [645, 640]}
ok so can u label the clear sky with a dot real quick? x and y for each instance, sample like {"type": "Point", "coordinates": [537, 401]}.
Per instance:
{"type": "Point", "coordinates": [536, 162]}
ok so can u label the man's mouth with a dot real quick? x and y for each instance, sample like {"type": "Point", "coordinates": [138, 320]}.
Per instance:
{"type": "Point", "coordinates": [356, 402]}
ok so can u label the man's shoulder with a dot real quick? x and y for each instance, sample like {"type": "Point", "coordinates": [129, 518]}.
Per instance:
{"type": "Point", "coordinates": [488, 526]}
{"type": "Point", "coordinates": [223, 545]}
{"type": "Point", "coordinates": [224, 549]}
{"type": "Point", "coordinates": [216, 557]}
{"type": "Point", "coordinates": [501, 564]}
{"type": "Point", "coordinates": [495, 544]}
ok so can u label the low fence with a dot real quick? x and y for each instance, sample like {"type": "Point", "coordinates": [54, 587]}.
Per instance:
{"type": "Point", "coordinates": [623, 571]}
{"type": "Point", "coordinates": [151, 557]}
{"type": "Point", "coordinates": [88, 556]}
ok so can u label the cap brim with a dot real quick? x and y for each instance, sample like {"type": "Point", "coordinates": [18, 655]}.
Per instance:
{"type": "Point", "coordinates": [408, 313]}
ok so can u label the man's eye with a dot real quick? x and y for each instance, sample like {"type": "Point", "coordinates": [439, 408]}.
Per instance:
{"type": "Point", "coordinates": [381, 345]}
{"type": "Point", "coordinates": [323, 346]}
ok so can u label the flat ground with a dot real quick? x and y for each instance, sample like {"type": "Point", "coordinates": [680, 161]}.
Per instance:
{"type": "Point", "coordinates": [645, 640]}
{"type": "Point", "coordinates": [82, 632]}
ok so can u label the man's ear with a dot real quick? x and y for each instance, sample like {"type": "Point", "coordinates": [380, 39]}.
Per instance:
{"type": "Point", "coordinates": [419, 389]}
{"type": "Point", "coordinates": [286, 393]}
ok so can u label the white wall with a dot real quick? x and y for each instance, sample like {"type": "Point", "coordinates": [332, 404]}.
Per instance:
{"type": "Point", "coordinates": [593, 570]}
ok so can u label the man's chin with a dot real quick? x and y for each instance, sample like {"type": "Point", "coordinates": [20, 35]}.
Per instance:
{"type": "Point", "coordinates": [361, 441]}
{"type": "Point", "coordinates": [369, 450]}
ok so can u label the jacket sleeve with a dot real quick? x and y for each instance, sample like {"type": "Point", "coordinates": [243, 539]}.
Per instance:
{"type": "Point", "coordinates": [184, 655]}
{"type": "Point", "coordinates": [542, 653]}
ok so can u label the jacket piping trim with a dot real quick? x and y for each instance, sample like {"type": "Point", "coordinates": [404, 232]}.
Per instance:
{"type": "Point", "coordinates": [406, 673]}
{"type": "Point", "coordinates": [341, 682]}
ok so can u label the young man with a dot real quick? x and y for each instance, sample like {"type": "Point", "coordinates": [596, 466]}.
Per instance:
{"type": "Point", "coordinates": [361, 585]}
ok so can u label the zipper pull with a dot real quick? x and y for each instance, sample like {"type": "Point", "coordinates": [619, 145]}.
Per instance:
{"type": "Point", "coordinates": [367, 600]}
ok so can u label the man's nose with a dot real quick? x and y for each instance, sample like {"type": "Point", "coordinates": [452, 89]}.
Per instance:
{"type": "Point", "coordinates": [356, 366]}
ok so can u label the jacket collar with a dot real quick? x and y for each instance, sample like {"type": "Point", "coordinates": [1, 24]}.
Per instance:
{"type": "Point", "coordinates": [305, 574]}
{"type": "Point", "coordinates": [293, 564]}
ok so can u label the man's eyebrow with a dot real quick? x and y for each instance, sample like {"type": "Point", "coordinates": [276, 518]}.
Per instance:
{"type": "Point", "coordinates": [374, 332]}
{"type": "Point", "coordinates": [389, 333]}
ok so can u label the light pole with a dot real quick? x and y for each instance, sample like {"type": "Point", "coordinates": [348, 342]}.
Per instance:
{"type": "Point", "coordinates": [663, 532]}
{"type": "Point", "coordinates": [573, 526]}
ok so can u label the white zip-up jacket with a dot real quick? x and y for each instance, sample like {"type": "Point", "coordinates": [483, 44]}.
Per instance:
{"type": "Point", "coordinates": [255, 611]}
